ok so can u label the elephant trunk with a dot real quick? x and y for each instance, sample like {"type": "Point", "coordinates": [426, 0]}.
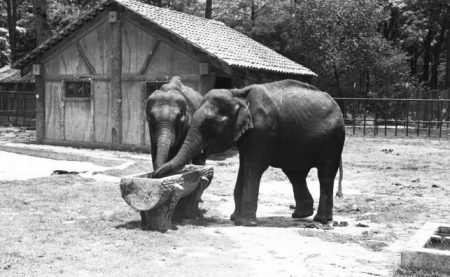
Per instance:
{"type": "Point", "coordinates": [191, 147]}
{"type": "Point", "coordinates": [164, 142]}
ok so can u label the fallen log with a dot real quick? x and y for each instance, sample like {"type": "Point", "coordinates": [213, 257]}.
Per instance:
{"type": "Point", "coordinates": [159, 199]}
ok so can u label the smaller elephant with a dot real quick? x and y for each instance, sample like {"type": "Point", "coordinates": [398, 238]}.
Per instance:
{"type": "Point", "coordinates": [169, 112]}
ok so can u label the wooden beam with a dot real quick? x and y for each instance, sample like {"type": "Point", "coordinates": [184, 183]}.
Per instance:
{"type": "Point", "coordinates": [40, 107]}
{"type": "Point", "coordinates": [62, 117]}
{"type": "Point", "coordinates": [134, 77]}
{"type": "Point", "coordinates": [149, 58]}
{"type": "Point", "coordinates": [143, 113]}
{"type": "Point", "coordinates": [115, 72]}
{"type": "Point", "coordinates": [126, 77]}
{"type": "Point", "coordinates": [85, 59]}
{"type": "Point", "coordinates": [76, 77]}
{"type": "Point", "coordinates": [92, 127]}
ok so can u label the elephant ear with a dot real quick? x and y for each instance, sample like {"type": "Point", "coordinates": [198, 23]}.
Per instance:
{"type": "Point", "coordinates": [244, 119]}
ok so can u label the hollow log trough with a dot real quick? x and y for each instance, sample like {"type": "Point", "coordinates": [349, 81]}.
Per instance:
{"type": "Point", "coordinates": [160, 199]}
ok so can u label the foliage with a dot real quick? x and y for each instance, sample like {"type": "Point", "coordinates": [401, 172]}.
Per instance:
{"type": "Point", "coordinates": [336, 39]}
{"type": "Point", "coordinates": [357, 47]}
{"type": "Point", "coordinates": [420, 28]}
{"type": "Point", "coordinates": [5, 51]}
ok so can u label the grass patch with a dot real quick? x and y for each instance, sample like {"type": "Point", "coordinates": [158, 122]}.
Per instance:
{"type": "Point", "coordinates": [416, 272]}
{"type": "Point", "coordinates": [380, 209]}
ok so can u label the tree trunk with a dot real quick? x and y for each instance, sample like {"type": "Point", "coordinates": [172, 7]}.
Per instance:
{"type": "Point", "coordinates": [447, 67]}
{"type": "Point", "coordinates": [337, 79]}
{"type": "Point", "coordinates": [427, 56]}
{"type": "Point", "coordinates": [253, 13]}
{"type": "Point", "coordinates": [159, 199]}
{"type": "Point", "coordinates": [413, 62]}
{"type": "Point", "coordinates": [447, 63]}
{"type": "Point", "coordinates": [10, 6]}
{"type": "Point", "coordinates": [208, 9]}
{"type": "Point", "coordinates": [436, 58]}
{"type": "Point", "coordinates": [41, 19]}
{"type": "Point", "coordinates": [367, 84]}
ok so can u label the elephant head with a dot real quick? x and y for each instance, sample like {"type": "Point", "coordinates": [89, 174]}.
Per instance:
{"type": "Point", "coordinates": [168, 115]}
{"type": "Point", "coordinates": [221, 120]}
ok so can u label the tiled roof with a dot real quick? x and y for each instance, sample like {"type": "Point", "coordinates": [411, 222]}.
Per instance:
{"type": "Point", "coordinates": [213, 37]}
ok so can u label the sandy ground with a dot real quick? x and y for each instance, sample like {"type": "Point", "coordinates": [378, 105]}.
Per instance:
{"type": "Point", "coordinates": [73, 225]}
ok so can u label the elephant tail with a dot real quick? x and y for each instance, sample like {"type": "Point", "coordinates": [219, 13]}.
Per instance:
{"type": "Point", "coordinates": [341, 175]}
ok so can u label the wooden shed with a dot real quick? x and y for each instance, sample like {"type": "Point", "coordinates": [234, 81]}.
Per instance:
{"type": "Point", "coordinates": [93, 76]}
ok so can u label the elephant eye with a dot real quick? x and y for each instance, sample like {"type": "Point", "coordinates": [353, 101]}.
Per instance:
{"type": "Point", "coordinates": [222, 120]}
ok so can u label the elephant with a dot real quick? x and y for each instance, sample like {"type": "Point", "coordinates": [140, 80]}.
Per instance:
{"type": "Point", "coordinates": [169, 113]}
{"type": "Point", "coordinates": [285, 124]}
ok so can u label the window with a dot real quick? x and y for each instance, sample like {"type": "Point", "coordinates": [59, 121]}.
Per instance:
{"type": "Point", "coordinates": [78, 89]}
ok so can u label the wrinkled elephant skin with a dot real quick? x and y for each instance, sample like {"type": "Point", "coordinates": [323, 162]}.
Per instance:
{"type": "Point", "coordinates": [286, 124]}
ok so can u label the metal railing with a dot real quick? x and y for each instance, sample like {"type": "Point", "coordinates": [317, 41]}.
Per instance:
{"type": "Point", "coordinates": [18, 108]}
{"type": "Point", "coordinates": [397, 116]}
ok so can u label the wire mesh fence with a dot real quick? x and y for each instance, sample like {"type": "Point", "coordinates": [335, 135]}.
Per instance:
{"type": "Point", "coordinates": [396, 116]}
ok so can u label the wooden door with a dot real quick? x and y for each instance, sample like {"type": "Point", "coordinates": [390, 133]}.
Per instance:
{"type": "Point", "coordinates": [78, 111]}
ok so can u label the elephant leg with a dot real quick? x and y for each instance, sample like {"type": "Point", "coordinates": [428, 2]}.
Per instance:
{"type": "Point", "coordinates": [326, 172]}
{"type": "Point", "coordinates": [237, 196]}
{"type": "Point", "coordinates": [303, 199]}
{"type": "Point", "coordinates": [251, 172]}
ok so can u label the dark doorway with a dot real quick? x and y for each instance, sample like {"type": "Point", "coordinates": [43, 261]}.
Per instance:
{"type": "Point", "coordinates": [223, 82]}
{"type": "Point", "coordinates": [152, 86]}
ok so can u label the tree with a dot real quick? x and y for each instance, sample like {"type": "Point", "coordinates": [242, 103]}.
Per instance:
{"type": "Point", "coordinates": [420, 27]}
{"type": "Point", "coordinates": [11, 9]}
{"type": "Point", "coordinates": [208, 9]}
{"type": "Point", "coordinates": [41, 19]}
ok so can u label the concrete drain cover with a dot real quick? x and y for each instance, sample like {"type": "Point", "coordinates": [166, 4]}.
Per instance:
{"type": "Point", "coordinates": [429, 248]}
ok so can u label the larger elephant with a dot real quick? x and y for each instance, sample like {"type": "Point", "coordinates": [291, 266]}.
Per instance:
{"type": "Point", "coordinates": [287, 124]}
{"type": "Point", "coordinates": [169, 114]}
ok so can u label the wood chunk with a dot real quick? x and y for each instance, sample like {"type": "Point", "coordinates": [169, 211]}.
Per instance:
{"type": "Point", "coordinates": [158, 199]}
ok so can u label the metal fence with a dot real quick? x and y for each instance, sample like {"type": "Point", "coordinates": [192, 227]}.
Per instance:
{"type": "Point", "coordinates": [397, 117]}
{"type": "Point", "coordinates": [18, 108]}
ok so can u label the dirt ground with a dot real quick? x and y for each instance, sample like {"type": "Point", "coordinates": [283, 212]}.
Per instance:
{"type": "Point", "coordinates": [78, 225]}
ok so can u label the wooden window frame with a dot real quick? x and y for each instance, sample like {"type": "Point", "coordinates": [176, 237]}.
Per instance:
{"type": "Point", "coordinates": [77, 98]}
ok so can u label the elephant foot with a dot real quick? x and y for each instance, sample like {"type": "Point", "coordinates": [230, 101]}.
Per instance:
{"type": "Point", "coordinates": [302, 213]}
{"type": "Point", "coordinates": [322, 218]}
{"type": "Point", "coordinates": [245, 221]}
{"type": "Point", "coordinates": [233, 216]}
{"type": "Point", "coordinates": [303, 209]}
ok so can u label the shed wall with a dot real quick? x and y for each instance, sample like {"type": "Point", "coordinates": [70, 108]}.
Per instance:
{"type": "Point", "coordinates": [145, 58]}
